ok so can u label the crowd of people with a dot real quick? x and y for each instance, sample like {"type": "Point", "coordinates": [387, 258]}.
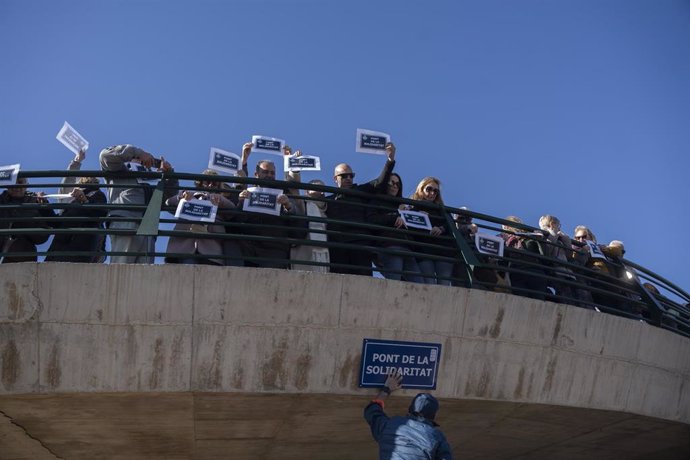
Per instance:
{"type": "Point", "coordinates": [356, 230]}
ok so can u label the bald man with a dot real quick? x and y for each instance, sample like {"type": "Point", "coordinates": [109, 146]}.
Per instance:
{"type": "Point", "coordinates": [356, 258]}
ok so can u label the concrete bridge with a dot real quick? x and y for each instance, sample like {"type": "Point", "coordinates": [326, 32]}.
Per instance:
{"type": "Point", "coordinates": [132, 361]}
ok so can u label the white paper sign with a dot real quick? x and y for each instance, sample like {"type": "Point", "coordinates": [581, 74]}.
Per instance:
{"type": "Point", "coordinates": [415, 219]}
{"type": "Point", "coordinates": [71, 139]}
{"type": "Point", "coordinates": [263, 200]}
{"type": "Point", "coordinates": [301, 163]}
{"type": "Point", "coordinates": [269, 145]}
{"type": "Point", "coordinates": [489, 244]}
{"type": "Point", "coordinates": [8, 174]}
{"type": "Point", "coordinates": [223, 161]}
{"type": "Point", "coordinates": [198, 210]}
{"type": "Point", "coordinates": [595, 250]}
{"type": "Point", "coordinates": [371, 142]}
{"type": "Point", "coordinates": [58, 196]}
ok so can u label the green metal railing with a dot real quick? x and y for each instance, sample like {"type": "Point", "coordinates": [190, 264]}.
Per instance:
{"type": "Point", "coordinates": [660, 303]}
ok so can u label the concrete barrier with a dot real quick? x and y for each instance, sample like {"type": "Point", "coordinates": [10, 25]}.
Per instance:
{"type": "Point", "coordinates": [190, 361]}
{"type": "Point", "coordinates": [136, 328]}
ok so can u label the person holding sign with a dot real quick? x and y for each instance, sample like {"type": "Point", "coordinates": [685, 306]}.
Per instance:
{"type": "Point", "coordinates": [16, 196]}
{"type": "Point", "coordinates": [313, 205]}
{"type": "Point", "coordinates": [356, 257]}
{"type": "Point", "coordinates": [413, 437]}
{"type": "Point", "coordinates": [86, 191]}
{"type": "Point", "coordinates": [590, 253]}
{"type": "Point", "coordinates": [199, 244]}
{"type": "Point", "coordinates": [274, 253]}
{"type": "Point", "coordinates": [130, 191]}
{"type": "Point", "coordinates": [386, 214]}
{"type": "Point", "coordinates": [485, 273]}
{"type": "Point", "coordinates": [434, 271]}
{"type": "Point", "coordinates": [610, 266]}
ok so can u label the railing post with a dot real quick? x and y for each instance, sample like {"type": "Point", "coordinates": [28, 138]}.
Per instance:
{"type": "Point", "coordinates": [468, 256]}
{"type": "Point", "coordinates": [149, 223]}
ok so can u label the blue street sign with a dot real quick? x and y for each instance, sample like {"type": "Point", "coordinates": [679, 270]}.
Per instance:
{"type": "Point", "coordinates": [416, 361]}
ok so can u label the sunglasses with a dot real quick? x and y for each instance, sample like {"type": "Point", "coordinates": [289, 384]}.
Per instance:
{"type": "Point", "coordinates": [347, 175]}
{"type": "Point", "coordinates": [430, 189]}
{"type": "Point", "coordinates": [394, 183]}
{"type": "Point", "coordinates": [580, 237]}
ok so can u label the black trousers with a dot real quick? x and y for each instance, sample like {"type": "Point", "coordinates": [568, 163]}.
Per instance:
{"type": "Point", "coordinates": [359, 259]}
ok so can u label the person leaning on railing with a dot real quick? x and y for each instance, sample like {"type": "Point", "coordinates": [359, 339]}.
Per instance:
{"type": "Point", "coordinates": [345, 207]}
{"type": "Point", "coordinates": [526, 272]}
{"type": "Point", "coordinates": [580, 251]}
{"type": "Point", "coordinates": [131, 191]}
{"type": "Point", "coordinates": [557, 245]}
{"type": "Point", "coordinates": [83, 190]}
{"type": "Point", "coordinates": [603, 269]}
{"type": "Point", "coordinates": [580, 255]}
{"type": "Point", "coordinates": [613, 267]}
{"type": "Point", "coordinates": [507, 232]}
{"type": "Point", "coordinates": [487, 274]}
{"type": "Point", "coordinates": [17, 197]}
{"type": "Point", "coordinates": [198, 245]}
{"type": "Point", "coordinates": [433, 271]}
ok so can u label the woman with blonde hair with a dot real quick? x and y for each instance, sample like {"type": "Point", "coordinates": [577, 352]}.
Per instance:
{"type": "Point", "coordinates": [434, 271]}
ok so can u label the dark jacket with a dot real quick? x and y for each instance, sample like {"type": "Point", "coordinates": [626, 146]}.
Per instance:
{"type": "Point", "coordinates": [342, 206]}
{"type": "Point", "coordinates": [406, 438]}
{"type": "Point", "coordinates": [385, 215]}
{"type": "Point", "coordinates": [26, 242]}
{"type": "Point", "coordinates": [437, 219]}
{"type": "Point", "coordinates": [277, 227]}
{"type": "Point", "coordinates": [78, 241]}
{"type": "Point", "coordinates": [520, 247]}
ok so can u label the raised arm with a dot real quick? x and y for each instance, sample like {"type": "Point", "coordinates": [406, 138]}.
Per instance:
{"type": "Point", "coordinates": [170, 186]}
{"type": "Point", "coordinates": [74, 165]}
{"type": "Point", "coordinates": [374, 413]}
{"type": "Point", "coordinates": [246, 151]}
{"type": "Point", "coordinates": [114, 158]}
{"type": "Point", "coordinates": [380, 184]}
{"type": "Point", "coordinates": [292, 176]}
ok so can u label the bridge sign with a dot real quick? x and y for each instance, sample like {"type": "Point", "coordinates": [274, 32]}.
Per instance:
{"type": "Point", "coordinates": [417, 362]}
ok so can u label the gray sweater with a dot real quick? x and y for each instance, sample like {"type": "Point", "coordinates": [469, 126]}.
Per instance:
{"type": "Point", "coordinates": [125, 190]}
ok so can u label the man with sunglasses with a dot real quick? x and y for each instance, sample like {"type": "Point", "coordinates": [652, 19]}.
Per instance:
{"type": "Point", "coordinates": [356, 257]}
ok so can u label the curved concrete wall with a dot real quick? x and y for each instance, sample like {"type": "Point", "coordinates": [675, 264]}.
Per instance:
{"type": "Point", "coordinates": [134, 328]}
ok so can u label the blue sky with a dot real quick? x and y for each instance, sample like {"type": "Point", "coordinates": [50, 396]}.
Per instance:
{"type": "Point", "coordinates": [579, 109]}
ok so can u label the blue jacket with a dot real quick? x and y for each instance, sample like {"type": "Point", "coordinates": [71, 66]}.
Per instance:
{"type": "Point", "coordinates": [406, 438]}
